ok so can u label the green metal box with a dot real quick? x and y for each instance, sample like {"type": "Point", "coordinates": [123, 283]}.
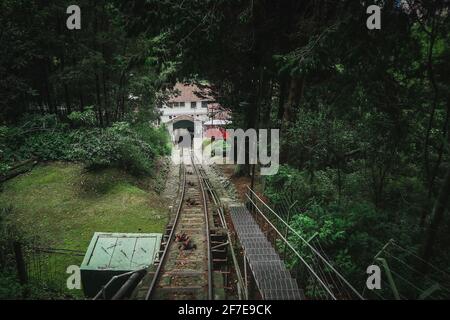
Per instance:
{"type": "Point", "coordinates": [111, 254]}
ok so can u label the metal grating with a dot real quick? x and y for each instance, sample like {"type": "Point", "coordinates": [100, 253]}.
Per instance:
{"type": "Point", "coordinates": [272, 278]}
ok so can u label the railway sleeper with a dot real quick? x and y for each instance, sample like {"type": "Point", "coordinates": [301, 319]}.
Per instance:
{"type": "Point", "coordinates": [218, 238]}
{"type": "Point", "coordinates": [219, 254]}
{"type": "Point", "coordinates": [220, 261]}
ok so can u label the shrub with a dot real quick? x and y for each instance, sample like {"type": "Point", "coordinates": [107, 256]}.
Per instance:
{"type": "Point", "coordinates": [131, 148]}
{"type": "Point", "coordinates": [94, 147]}
{"type": "Point", "coordinates": [53, 145]}
{"type": "Point", "coordinates": [118, 145]}
{"type": "Point", "coordinates": [156, 137]}
{"type": "Point", "coordinates": [10, 287]}
{"type": "Point", "coordinates": [300, 185]}
{"type": "Point", "coordinates": [84, 118]}
{"type": "Point", "coordinates": [350, 229]}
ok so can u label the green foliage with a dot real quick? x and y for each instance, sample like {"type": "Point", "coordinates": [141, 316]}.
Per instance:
{"type": "Point", "coordinates": [61, 205]}
{"type": "Point", "coordinates": [349, 227]}
{"type": "Point", "coordinates": [47, 146]}
{"type": "Point", "coordinates": [45, 66]}
{"type": "Point", "coordinates": [300, 185]}
{"type": "Point", "coordinates": [10, 287]}
{"type": "Point", "coordinates": [121, 145]}
{"type": "Point", "coordinates": [83, 118]}
{"type": "Point", "coordinates": [156, 137]}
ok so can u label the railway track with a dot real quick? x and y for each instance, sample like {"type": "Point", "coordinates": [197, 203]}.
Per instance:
{"type": "Point", "coordinates": [186, 273]}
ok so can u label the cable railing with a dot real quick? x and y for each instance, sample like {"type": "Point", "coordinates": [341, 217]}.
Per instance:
{"type": "Point", "coordinates": [305, 258]}
{"type": "Point", "coordinates": [406, 278]}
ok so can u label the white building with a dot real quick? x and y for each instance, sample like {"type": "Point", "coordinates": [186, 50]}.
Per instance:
{"type": "Point", "coordinates": [190, 109]}
{"type": "Point", "coordinates": [186, 110]}
{"type": "Point", "coordinates": [188, 102]}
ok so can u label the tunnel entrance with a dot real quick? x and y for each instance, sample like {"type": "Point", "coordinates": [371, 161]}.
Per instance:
{"type": "Point", "coordinates": [184, 124]}
{"type": "Point", "coordinates": [181, 130]}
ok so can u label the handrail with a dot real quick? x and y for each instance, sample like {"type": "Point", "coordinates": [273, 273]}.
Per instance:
{"type": "Point", "coordinates": [307, 244]}
{"type": "Point", "coordinates": [295, 251]}
{"type": "Point", "coordinates": [110, 282]}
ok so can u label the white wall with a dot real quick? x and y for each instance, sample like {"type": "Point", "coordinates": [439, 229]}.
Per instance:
{"type": "Point", "coordinates": [198, 113]}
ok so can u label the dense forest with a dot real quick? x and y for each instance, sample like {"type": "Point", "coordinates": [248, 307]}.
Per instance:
{"type": "Point", "coordinates": [364, 114]}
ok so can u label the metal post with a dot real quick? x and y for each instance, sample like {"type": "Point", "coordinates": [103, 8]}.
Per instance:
{"type": "Point", "coordinates": [312, 237]}
{"type": "Point", "coordinates": [245, 275]}
{"type": "Point", "coordinates": [128, 285]}
{"type": "Point", "coordinates": [428, 292]}
{"type": "Point", "coordinates": [20, 262]}
{"type": "Point", "coordinates": [21, 268]}
{"type": "Point", "coordinates": [390, 278]}
{"type": "Point", "coordinates": [286, 233]}
{"type": "Point", "coordinates": [384, 248]}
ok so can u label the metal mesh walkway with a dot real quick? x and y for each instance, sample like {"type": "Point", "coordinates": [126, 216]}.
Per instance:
{"type": "Point", "coordinates": [272, 278]}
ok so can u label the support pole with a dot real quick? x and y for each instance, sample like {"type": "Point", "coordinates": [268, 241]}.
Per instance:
{"type": "Point", "coordinates": [286, 232]}
{"type": "Point", "coordinates": [245, 275]}
{"type": "Point", "coordinates": [390, 278]}
{"type": "Point", "coordinates": [21, 267]}
{"type": "Point", "coordinates": [20, 262]}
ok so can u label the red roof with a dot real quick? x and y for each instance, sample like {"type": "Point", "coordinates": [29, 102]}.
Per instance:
{"type": "Point", "coordinates": [189, 93]}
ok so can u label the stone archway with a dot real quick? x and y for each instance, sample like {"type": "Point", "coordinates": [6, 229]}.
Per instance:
{"type": "Point", "coordinates": [184, 124]}
{"type": "Point", "coordinates": [181, 125]}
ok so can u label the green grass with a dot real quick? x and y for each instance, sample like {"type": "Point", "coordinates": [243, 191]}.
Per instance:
{"type": "Point", "coordinates": [63, 205]}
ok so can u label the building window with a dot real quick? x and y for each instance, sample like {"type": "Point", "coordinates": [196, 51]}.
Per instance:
{"type": "Point", "coordinates": [176, 104]}
{"type": "Point", "coordinates": [180, 104]}
{"type": "Point", "coordinates": [204, 104]}
{"type": "Point", "coordinates": [193, 105]}
{"type": "Point", "coordinates": [170, 117]}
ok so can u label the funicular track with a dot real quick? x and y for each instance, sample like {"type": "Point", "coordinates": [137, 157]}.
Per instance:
{"type": "Point", "coordinates": [186, 274]}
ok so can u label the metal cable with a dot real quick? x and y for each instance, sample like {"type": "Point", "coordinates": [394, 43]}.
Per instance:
{"type": "Point", "coordinates": [311, 247]}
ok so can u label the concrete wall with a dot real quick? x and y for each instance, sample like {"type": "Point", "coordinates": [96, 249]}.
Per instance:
{"type": "Point", "coordinates": [197, 113]}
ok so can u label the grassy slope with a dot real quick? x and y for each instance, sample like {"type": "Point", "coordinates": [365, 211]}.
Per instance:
{"type": "Point", "coordinates": [64, 205]}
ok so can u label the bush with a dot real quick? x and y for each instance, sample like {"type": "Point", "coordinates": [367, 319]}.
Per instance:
{"type": "Point", "coordinates": [10, 287]}
{"type": "Point", "coordinates": [156, 137]}
{"type": "Point", "coordinates": [300, 185]}
{"type": "Point", "coordinates": [95, 148]}
{"type": "Point", "coordinates": [47, 146]}
{"type": "Point", "coordinates": [131, 148]}
{"type": "Point", "coordinates": [35, 136]}
{"type": "Point", "coordinates": [84, 118]}
{"type": "Point", "coordinates": [350, 228]}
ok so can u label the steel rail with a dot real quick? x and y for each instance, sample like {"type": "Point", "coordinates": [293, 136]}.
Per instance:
{"type": "Point", "coordinates": [207, 230]}
{"type": "Point", "coordinates": [169, 240]}
{"type": "Point", "coordinates": [220, 211]}
{"type": "Point", "coordinates": [214, 197]}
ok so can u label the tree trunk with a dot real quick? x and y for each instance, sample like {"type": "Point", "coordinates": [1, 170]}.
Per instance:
{"type": "Point", "coordinates": [282, 97]}
{"type": "Point", "coordinates": [99, 100]}
{"type": "Point", "coordinates": [105, 98]}
{"type": "Point", "coordinates": [440, 207]}
{"type": "Point", "coordinates": [295, 94]}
